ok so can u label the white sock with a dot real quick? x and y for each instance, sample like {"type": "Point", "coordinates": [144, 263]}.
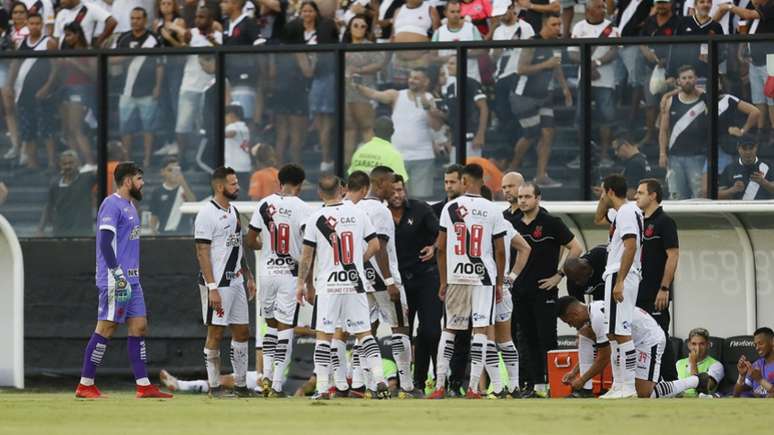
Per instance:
{"type": "Point", "coordinates": [239, 361]}
{"type": "Point", "coordinates": [322, 364]}
{"type": "Point", "coordinates": [143, 382]}
{"type": "Point", "coordinates": [269, 346]}
{"type": "Point", "coordinates": [477, 359]}
{"type": "Point", "coordinates": [445, 352]}
{"type": "Point", "coordinates": [627, 355]}
{"type": "Point", "coordinates": [617, 380]}
{"type": "Point", "coordinates": [212, 362]}
{"type": "Point", "coordinates": [373, 359]}
{"type": "Point", "coordinates": [493, 367]}
{"type": "Point", "coordinates": [358, 377]}
{"type": "Point", "coordinates": [282, 356]}
{"type": "Point", "coordinates": [666, 389]}
{"type": "Point", "coordinates": [511, 360]}
{"type": "Point", "coordinates": [87, 381]}
{"type": "Point", "coordinates": [585, 357]}
{"type": "Point", "coordinates": [339, 355]}
{"type": "Point", "coordinates": [199, 386]}
{"type": "Point", "coordinates": [401, 353]}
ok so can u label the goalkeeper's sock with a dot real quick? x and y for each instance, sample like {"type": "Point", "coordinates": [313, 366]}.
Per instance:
{"type": "Point", "coordinates": [135, 347]}
{"type": "Point", "coordinates": [92, 358]}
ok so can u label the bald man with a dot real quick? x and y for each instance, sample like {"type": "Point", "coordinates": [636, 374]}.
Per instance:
{"type": "Point", "coordinates": [584, 274]}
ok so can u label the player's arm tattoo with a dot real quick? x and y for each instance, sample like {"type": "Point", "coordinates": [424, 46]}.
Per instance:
{"type": "Point", "coordinates": [305, 264]}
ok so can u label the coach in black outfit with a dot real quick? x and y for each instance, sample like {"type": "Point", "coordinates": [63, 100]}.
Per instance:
{"type": "Point", "coordinates": [535, 292]}
{"type": "Point", "coordinates": [416, 228]}
{"type": "Point", "coordinates": [660, 251]}
{"type": "Point", "coordinates": [584, 274]}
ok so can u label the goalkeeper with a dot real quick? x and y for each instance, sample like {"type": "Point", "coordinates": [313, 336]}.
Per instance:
{"type": "Point", "coordinates": [118, 280]}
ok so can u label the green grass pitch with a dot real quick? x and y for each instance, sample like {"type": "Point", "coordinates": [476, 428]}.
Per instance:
{"type": "Point", "coordinates": [121, 413]}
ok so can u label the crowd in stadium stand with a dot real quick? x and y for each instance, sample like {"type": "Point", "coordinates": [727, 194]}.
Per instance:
{"type": "Point", "coordinates": [516, 99]}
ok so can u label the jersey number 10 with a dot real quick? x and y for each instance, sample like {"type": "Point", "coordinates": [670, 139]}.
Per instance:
{"type": "Point", "coordinates": [280, 238]}
{"type": "Point", "coordinates": [471, 245]}
{"type": "Point", "coordinates": [343, 247]}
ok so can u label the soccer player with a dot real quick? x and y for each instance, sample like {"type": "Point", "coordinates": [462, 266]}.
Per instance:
{"type": "Point", "coordinates": [386, 296]}
{"type": "Point", "coordinates": [647, 336]}
{"type": "Point", "coordinates": [202, 385]}
{"type": "Point", "coordinates": [118, 280]}
{"type": "Point", "coordinates": [279, 221]}
{"type": "Point", "coordinates": [471, 275]}
{"type": "Point", "coordinates": [622, 279]}
{"type": "Point", "coordinates": [334, 235]}
{"type": "Point", "coordinates": [218, 235]}
{"type": "Point", "coordinates": [757, 379]}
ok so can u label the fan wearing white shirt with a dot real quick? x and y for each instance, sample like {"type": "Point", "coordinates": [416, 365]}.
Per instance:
{"type": "Point", "coordinates": [237, 146]}
{"type": "Point", "coordinates": [89, 15]}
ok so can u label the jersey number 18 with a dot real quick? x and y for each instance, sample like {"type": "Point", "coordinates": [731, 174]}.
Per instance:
{"type": "Point", "coordinates": [280, 238]}
{"type": "Point", "coordinates": [470, 245]}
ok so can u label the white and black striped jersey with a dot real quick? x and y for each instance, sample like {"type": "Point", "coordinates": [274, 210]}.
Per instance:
{"type": "Point", "coordinates": [279, 221]}
{"type": "Point", "coordinates": [221, 229]}
{"type": "Point", "coordinates": [645, 331]}
{"type": "Point", "coordinates": [471, 224]}
{"type": "Point", "coordinates": [626, 222]}
{"type": "Point", "coordinates": [140, 75]}
{"type": "Point", "coordinates": [339, 233]}
{"type": "Point", "coordinates": [384, 227]}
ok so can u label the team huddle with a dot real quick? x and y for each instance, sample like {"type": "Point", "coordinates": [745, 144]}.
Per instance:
{"type": "Point", "coordinates": [342, 259]}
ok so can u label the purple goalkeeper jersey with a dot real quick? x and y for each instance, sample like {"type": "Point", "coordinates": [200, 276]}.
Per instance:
{"type": "Point", "coordinates": [767, 371]}
{"type": "Point", "coordinates": [119, 216]}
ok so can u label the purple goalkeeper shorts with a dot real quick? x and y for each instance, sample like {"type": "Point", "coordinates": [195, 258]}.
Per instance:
{"type": "Point", "coordinates": [111, 309]}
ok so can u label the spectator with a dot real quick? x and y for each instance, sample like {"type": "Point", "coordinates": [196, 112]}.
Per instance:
{"type": "Point", "coordinates": [635, 164]}
{"type": "Point", "coordinates": [413, 22]}
{"type": "Point", "coordinates": [142, 81]}
{"type": "Point", "coordinates": [264, 180]}
{"type": "Point", "coordinates": [535, 12]}
{"type": "Point", "coordinates": [271, 16]}
{"type": "Point", "coordinates": [757, 379]}
{"type": "Point", "coordinates": [237, 147]}
{"type": "Point", "coordinates": [762, 14]}
{"type": "Point", "coordinates": [414, 117]}
{"type": "Point", "coordinates": [731, 111]}
{"type": "Point", "coordinates": [196, 80]}
{"type": "Point", "coordinates": [384, 19]}
{"type": "Point", "coordinates": [510, 28]}
{"type": "Point", "coordinates": [33, 81]}
{"type": "Point", "coordinates": [116, 154]}
{"type": "Point", "coordinates": [719, 11]}
{"type": "Point", "coordinates": [88, 16]}
{"type": "Point", "coordinates": [457, 29]}
{"type": "Point", "coordinates": [190, 7]}
{"type": "Point", "coordinates": [240, 29]}
{"type": "Point", "coordinates": [166, 200]}
{"type": "Point", "coordinates": [531, 101]}
{"type": "Point", "coordinates": [682, 135]}
{"type": "Point", "coordinates": [78, 75]}
{"type": "Point", "coordinates": [699, 361]}
{"type": "Point", "coordinates": [477, 109]}
{"type": "Point", "coordinates": [700, 23]}
{"type": "Point", "coordinates": [69, 208]}
{"type": "Point", "coordinates": [602, 76]}
{"type": "Point", "coordinates": [18, 30]}
{"type": "Point", "coordinates": [45, 9]}
{"type": "Point", "coordinates": [748, 178]}
{"type": "Point", "coordinates": [362, 67]}
{"type": "Point", "coordinates": [630, 20]}
{"type": "Point", "coordinates": [379, 151]}
{"type": "Point", "coordinates": [170, 25]}
{"type": "Point", "coordinates": [478, 11]}
{"type": "Point", "coordinates": [8, 41]}
{"type": "Point", "coordinates": [122, 11]}
{"type": "Point", "coordinates": [663, 23]}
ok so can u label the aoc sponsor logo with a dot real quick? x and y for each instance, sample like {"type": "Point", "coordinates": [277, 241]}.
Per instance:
{"type": "Point", "coordinates": [347, 276]}
{"type": "Point", "coordinates": [469, 269]}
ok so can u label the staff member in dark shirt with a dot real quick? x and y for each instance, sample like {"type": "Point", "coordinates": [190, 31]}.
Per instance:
{"type": "Point", "coordinates": [416, 228]}
{"type": "Point", "coordinates": [660, 251]}
{"type": "Point", "coordinates": [535, 292]}
{"type": "Point", "coordinates": [452, 185]}
{"type": "Point", "coordinates": [584, 274]}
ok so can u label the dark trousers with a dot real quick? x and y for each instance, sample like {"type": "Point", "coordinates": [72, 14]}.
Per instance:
{"type": "Point", "coordinates": [668, 359]}
{"type": "Point", "coordinates": [537, 325]}
{"type": "Point", "coordinates": [423, 303]}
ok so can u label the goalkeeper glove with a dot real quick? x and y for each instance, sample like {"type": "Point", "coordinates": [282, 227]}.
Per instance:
{"type": "Point", "coordinates": [122, 287]}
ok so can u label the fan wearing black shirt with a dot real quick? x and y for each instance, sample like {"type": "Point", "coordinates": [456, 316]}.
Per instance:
{"type": "Point", "coordinates": [166, 200]}
{"type": "Point", "coordinates": [69, 208]}
{"type": "Point", "coordinates": [635, 164]}
{"type": "Point", "coordinates": [630, 20]}
{"type": "Point", "coordinates": [748, 178]}
{"type": "Point", "coordinates": [700, 23]}
{"type": "Point", "coordinates": [142, 83]}
{"type": "Point", "coordinates": [477, 109]}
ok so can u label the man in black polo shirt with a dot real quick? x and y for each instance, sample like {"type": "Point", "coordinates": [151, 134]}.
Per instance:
{"type": "Point", "coordinates": [452, 185]}
{"type": "Point", "coordinates": [635, 164]}
{"type": "Point", "coordinates": [584, 274]}
{"type": "Point", "coordinates": [535, 292]}
{"type": "Point", "coordinates": [748, 178]}
{"type": "Point", "coordinates": [416, 228]}
{"type": "Point", "coordinates": [660, 251]}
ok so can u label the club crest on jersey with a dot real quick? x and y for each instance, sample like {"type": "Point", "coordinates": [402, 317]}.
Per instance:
{"type": "Point", "coordinates": [462, 212]}
{"type": "Point", "coordinates": [271, 210]}
{"type": "Point", "coordinates": [537, 232]}
{"type": "Point", "coordinates": [331, 222]}
{"type": "Point", "coordinates": [649, 231]}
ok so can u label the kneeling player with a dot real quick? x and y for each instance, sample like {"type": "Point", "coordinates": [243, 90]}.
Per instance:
{"type": "Point", "coordinates": [649, 342]}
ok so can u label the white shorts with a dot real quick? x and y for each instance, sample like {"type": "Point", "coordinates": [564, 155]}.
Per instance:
{"type": "Point", "coordinates": [389, 313]}
{"type": "Point", "coordinates": [618, 316]}
{"type": "Point", "coordinates": [468, 304]}
{"type": "Point", "coordinates": [504, 309]}
{"type": "Point", "coordinates": [649, 362]}
{"type": "Point", "coordinates": [234, 309]}
{"type": "Point", "coordinates": [278, 298]}
{"type": "Point", "coordinates": [349, 310]}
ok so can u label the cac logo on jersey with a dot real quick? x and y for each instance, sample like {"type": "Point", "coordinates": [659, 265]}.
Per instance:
{"type": "Point", "coordinates": [537, 232]}
{"type": "Point", "coordinates": [649, 231]}
{"type": "Point", "coordinates": [462, 212]}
